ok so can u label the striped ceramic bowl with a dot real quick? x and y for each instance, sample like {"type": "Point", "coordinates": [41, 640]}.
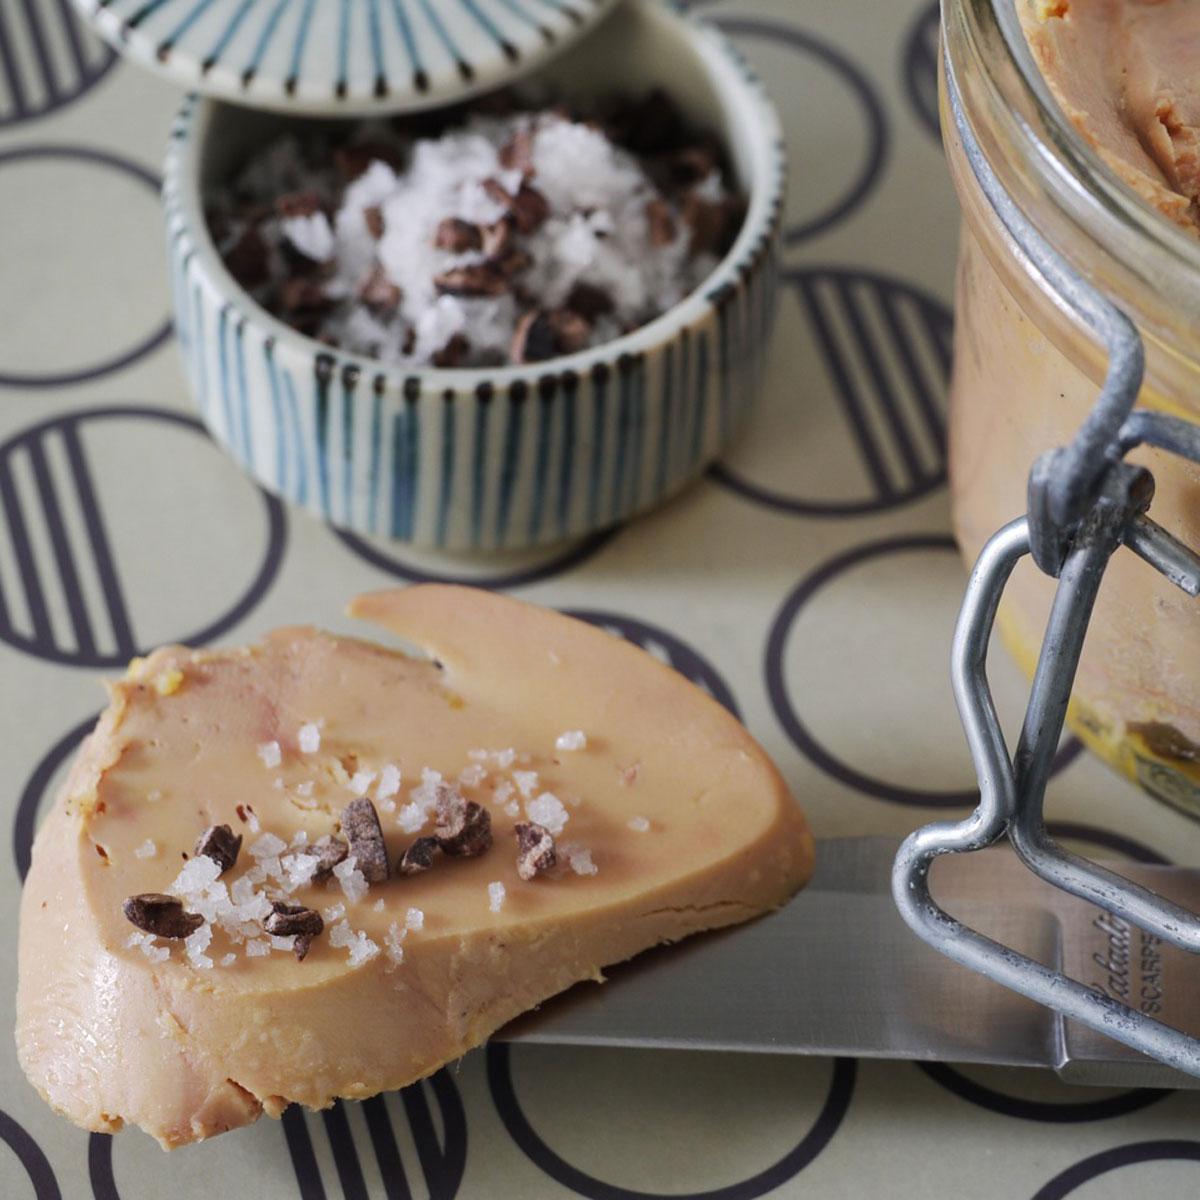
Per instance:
{"type": "Point", "coordinates": [507, 457]}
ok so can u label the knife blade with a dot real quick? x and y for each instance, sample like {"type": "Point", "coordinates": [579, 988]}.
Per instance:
{"type": "Point", "coordinates": [837, 972]}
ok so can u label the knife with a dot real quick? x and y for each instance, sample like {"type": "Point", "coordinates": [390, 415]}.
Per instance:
{"type": "Point", "coordinates": [837, 972]}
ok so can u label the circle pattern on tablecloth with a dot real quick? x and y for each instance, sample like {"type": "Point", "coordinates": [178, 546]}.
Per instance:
{"type": "Point", "coordinates": [538, 1150]}
{"type": "Point", "coordinates": [845, 180]}
{"type": "Point", "coordinates": [919, 68]}
{"type": "Point", "coordinates": [54, 244]}
{"type": "Point", "coordinates": [36, 1166]}
{"type": "Point", "coordinates": [866, 432]}
{"type": "Point", "coordinates": [39, 791]}
{"type": "Point", "coordinates": [496, 572]}
{"type": "Point", "coordinates": [865, 647]}
{"type": "Point", "coordinates": [85, 531]}
{"type": "Point", "coordinates": [414, 1141]}
{"type": "Point", "coordinates": [47, 61]}
{"type": "Point", "coordinates": [1068, 1182]}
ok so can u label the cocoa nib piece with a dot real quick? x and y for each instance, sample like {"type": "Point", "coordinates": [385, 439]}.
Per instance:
{"type": "Point", "coordinates": [478, 279]}
{"type": "Point", "coordinates": [379, 292]}
{"type": "Point", "coordinates": [373, 219]}
{"type": "Point", "coordinates": [330, 851]}
{"type": "Point", "coordinates": [535, 849]}
{"type": "Point", "coordinates": [692, 164]}
{"type": "Point", "coordinates": [352, 161]}
{"type": "Point", "coordinates": [163, 916]}
{"type": "Point", "coordinates": [528, 208]}
{"type": "Point", "coordinates": [512, 262]}
{"type": "Point", "coordinates": [540, 334]}
{"type": "Point", "coordinates": [219, 843]}
{"type": "Point", "coordinates": [457, 235]}
{"type": "Point", "coordinates": [650, 125]}
{"type": "Point", "coordinates": [288, 920]}
{"type": "Point", "coordinates": [248, 259]}
{"type": "Point", "coordinates": [464, 828]}
{"type": "Point", "coordinates": [453, 353]}
{"type": "Point", "coordinates": [299, 204]}
{"type": "Point", "coordinates": [360, 824]}
{"type": "Point", "coordinates": [301, 294]}
{"type": "Point", "coordinates": [571, 331]}
{"type": "Point", "coordinates": [302, 945]}
{"type": "Point", "coordinates": [495, 239]}
{"type": "Point", "coordinates": [534, 338]}
{"type": "Point", "coordinates": [660, 223]}
{"type": "Point", "coordinates": [517, 153]}
{"type": "Point", "coordinates": [713, 224]}
{"type": "Point", "coordinates": [589, 301]}
{"type": "Point", "coordinates": [419, 856]}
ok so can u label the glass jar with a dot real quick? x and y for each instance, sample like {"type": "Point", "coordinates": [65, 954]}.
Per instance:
{"type": "Point", "coordinates": [1026, 373]}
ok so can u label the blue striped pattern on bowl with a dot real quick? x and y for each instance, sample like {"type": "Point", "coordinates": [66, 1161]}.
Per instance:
{"type": "Point", "coordinates": [341, 56]}
{"type": "Point", "coordinates": [479, 459]}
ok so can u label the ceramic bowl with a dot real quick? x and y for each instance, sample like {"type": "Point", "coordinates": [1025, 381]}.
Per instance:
{"type": "Point", "coordinates": [497, 458]}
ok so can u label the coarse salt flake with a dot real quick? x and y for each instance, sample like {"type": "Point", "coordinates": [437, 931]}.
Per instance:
{"type": "Point", "coordinates": [304, 789]}
{"type": "Point", "coordinates": [472, 776]}
{"type": "Point", "coordinates": [228, 960]}
{"type": "Point", "coordinates": [197, 874]}
{"type": "Point", "coordinates": [309, 738]}
{"type": "Point", "coordinates": [548, 811]}
{"type": "Point", "coordinates": [394, 943]}
{"type": "Point", "coordinates": [258, 948]}
{"type": "Point", "coordinates": [512, 809]}
{"type": "Point", "coordinates": [526, 782]}
{"type": "Point", "coordinates": [580, 859]}
{"type": "Point", "coordinates": [378, 905]}
{"type": "Point", "coordinates": [270, 754]}
{"type": "Point", "coordinates": [267, 846]}
{"type": "Point", "coordinates": [361, 780]}
{"type": "Point", "coordinates": [638, 824]}
{"type": "Point", "coordinates": [148, 849]}
{"type": "Point", "coordinates": [195, 945]}
{"type": "Point", "coordinates": [412, 817]}
{"type": "Point", "coordinates": [353, 881]}
{"type": "Point", "coordinates": [362, 948]}
{"type": "Point", "coordinates": [389, 782]}
{"type": "Point", "coordinates": [414, 919]}
{"type": "Point", "coordinates": [496, 894]}
{"type": "Point", "coordinates": [335, 912]}
{"type": "Point", "coordinates": [573, 739]}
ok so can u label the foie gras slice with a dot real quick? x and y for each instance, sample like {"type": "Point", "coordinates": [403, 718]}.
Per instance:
{"type": "Point", "coordinates": [665, 818]}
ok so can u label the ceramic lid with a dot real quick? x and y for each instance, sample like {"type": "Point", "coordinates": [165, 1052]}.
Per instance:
{"type": "Point", "coordinates": [329, 57]}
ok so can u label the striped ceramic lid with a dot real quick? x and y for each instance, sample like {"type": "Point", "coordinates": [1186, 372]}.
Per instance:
{"type": "Point", "coordinates": [342, 56]}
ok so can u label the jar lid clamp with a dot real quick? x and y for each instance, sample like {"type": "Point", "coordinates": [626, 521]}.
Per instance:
{"type": "Point", "coordinates": [1084, 503]}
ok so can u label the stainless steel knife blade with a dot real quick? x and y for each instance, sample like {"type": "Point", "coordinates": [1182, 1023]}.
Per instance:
{"type": "Point", "coordinates": [836, 971]}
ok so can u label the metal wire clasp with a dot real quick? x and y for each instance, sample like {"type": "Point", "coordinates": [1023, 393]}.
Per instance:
{"type": "Point", "coordinates": [1084, 503]}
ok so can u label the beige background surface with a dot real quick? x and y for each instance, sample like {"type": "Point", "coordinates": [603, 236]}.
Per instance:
{"type": "Point", "coordinates": [82, 281]}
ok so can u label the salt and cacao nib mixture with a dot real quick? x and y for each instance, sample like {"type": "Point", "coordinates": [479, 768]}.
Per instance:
{"type": "Point", "coordinates": [483, 235]}
{"type": "Point", "coordinates": [257, 911]}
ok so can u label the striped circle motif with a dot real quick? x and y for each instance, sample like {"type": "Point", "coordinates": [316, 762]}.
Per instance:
{"type": "Point", "coordinates": [876, 405]}
{"type": "Point", "coordinates": [65, 597]}
{"type": "Point", "coordinates": [342, 56]}
{"type": "Point", "coordinates": [47, 59]}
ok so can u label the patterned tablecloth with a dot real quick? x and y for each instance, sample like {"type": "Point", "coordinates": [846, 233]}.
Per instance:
{"type": "Point", "coordinates": [808, 581]}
